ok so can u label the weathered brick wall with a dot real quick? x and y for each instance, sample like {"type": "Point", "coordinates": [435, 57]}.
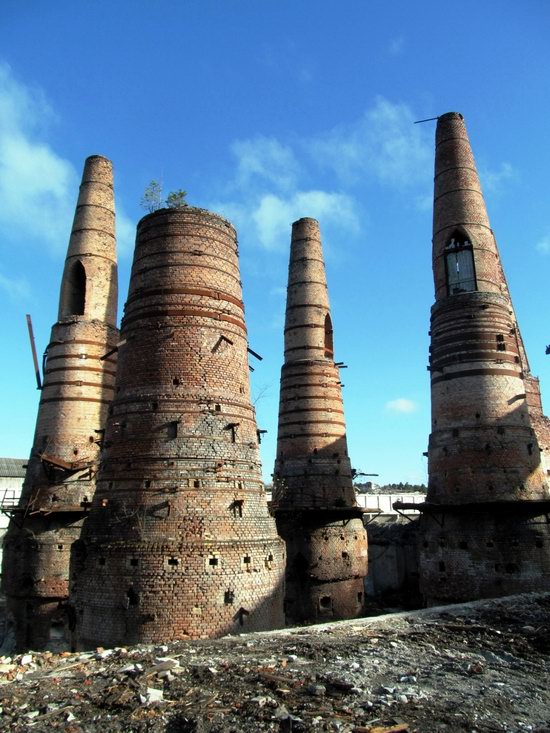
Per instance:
{"type": "Point", "coordinates": [482, 554]}
{"type": "Point", "coordinates": [489, 439]}
{"type": "Point", "coordinates": [179, 542]}
{"type": "Point", "coordinates": [314, 498]}
{"type": "Point", "coordinates": [77, 390]}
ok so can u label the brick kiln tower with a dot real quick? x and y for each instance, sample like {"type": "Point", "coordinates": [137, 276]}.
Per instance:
{"type": "Point", "coordinates": [314, 499]}
{"type": "Point", "coordinates": [484, 530]}
{"type": "Point", "coordinates": [179, 542]}
{"type": "Point", "coordinates": [78, 387]}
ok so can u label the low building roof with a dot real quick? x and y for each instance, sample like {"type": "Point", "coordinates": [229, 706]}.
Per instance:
{"type": "Point", "coordinates": [13, 467]}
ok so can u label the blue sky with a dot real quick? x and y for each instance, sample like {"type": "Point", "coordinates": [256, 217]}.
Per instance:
{"type": "Point", "coordinates": [266, 112]}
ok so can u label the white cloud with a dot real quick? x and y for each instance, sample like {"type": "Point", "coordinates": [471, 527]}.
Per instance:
{"type": "Point", "coordinates": [384, 143]}
{"type": "Point", "coordinates": [396, 46]}
{"type": "Point", "coordinates": [37, 187]}
{"type": "Point", "coordinates": [17, 288]}
{"type": "Point", "coordinates": [543, 245]}
{"type": "Point", "coordinates": [492, 181]}
{"type": "Point", "coordinates": [266, 159]}
{"type": "Point", "coordinates": [401, 404]}
{"type": "Point", "coordinates": [273, 215]}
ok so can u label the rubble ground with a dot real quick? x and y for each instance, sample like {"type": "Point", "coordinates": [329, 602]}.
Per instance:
{"type": "Point", "coordinates": [476, 667]}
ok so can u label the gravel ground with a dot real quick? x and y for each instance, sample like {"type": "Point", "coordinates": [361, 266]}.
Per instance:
{"type": "Point", "coordinates": [474, 667]}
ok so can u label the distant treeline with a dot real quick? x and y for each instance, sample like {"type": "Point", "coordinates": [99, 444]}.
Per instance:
{"type": "Point", "coordinates": [400, 488]}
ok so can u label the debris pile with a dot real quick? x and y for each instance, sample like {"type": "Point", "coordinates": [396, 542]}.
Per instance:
{"type": "Point", "coordinates": [478, 667]}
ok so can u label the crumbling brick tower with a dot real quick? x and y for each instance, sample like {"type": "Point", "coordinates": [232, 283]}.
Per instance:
{"type": "Point", "coordinates": [179, 542]}
{"type": "Point", "coordinates": [484, 529]}
{"type": "Point", "coordinates": [78, 387]}
{"type": "Point", "coordinates": [314, 498]}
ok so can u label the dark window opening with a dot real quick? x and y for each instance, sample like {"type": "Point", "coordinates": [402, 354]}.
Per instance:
{"type": "Point", "coordinates": [74, 299]}
{"type": "Point", "coordinates": [172, 430]}
{"type": "Point", "coordinates": [511, 567]}
{"type": "Point", "coordinates": [132, 596]}
{"type": "Point", "coordinates": [213, 561]}
{"type": "Point", "coordinates": [530, 448]}
{"type": "Point", "coordinates": [490, 543]}
{"type": "Point", "coordinates": [455, 432]}
{"type": "Point", "coordinates": [134, 562]}
{"type": "Point", "coordinates": [176, 382]}
{"type": "Point", "coordinates": [59, 547]}
{"type": "Point", "coordinates": [237, 507]}
{"type": "Point", "coordinates": [196, 483]}
{"type": "Point", "coordinates": [463, 545]}
{"type": "Point", "coordinates": [173, 561]}
{"type": "Point", "coordinates": [459, 264]}
{"type": "Point", "coordinates": [329, 342]}
{"type": "Point", "coordinates": [538, 543]}
{"type": "Point", "coordinates": [217, 408]}
{"type": "Point", "coordinates": [441, 566]}
{"type": "Point", "coordinates": [147, 483]}
{"type": "Point", "coordinates": [360, 597]}
{"type": "Point", "coordinates": [228, 597]}
{"type": "Point", "coordinates": [101, 561]}
{"type": "Point", "coordinates": [325, 602]}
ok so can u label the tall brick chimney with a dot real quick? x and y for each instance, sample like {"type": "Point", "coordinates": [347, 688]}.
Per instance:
{"type": "Point", "coordinates": [487, 450]}
{"type": "Point", "coordinates": [78, 387]}
{"type": "Point", "coordinates": [314, 498]}
{"type": "Point", "coordinates": [179, 542]}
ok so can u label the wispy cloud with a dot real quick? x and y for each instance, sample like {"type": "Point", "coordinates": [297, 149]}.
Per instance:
{"type": "Point", "coordinates": [493, 180]}
{"type": "Point", "coordinates": [267, 160]}
{"type": "Point", "coordinates": [384, 143]}
{"type": "Point", "coordinates": [396, 46]}
{"type": "Point", "coordinates": [543, 245]}
{"type": "Point", "coordinates": [402, 405]}
{"type": "Point", "coordinates": [38, 187]}
{"type": "Point", "coordinates": [17, 288]}
{"type": "Point", "coordinates": [271, 186]}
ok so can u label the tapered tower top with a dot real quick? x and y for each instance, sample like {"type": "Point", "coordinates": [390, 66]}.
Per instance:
{"type": "Point", "coordinates": [308, 325]}
{"type": "Point", "coordinates": [465, 253]}
{"type": "Point", "coordinates": [89, 285]}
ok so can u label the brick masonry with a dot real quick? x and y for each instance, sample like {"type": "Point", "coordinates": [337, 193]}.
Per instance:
{"type": "Point", "coordinates": [179, 542]}
{"type": "Point", "coordinates": [313, 498]}
{"type": "Point", "coordinates": [490, 441]}
{"type": "Point", "coordinates": [78, 387]}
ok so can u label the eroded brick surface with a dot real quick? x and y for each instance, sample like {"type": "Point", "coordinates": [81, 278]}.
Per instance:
{"type": "Point", "coordinates": [489, 440]}
{"type": "Point", "coordinates": [314, 498]}
{"type": "Point", "coordinates": [78, 387]}
{"type": "Point", "coordinates": [179, 542]}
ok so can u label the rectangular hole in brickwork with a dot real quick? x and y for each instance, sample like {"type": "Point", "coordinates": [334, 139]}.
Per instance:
{"type": "Point", "coordinates": [147, 484]}
{"type": "Point", "coordinates": [213, 562]}
{"type": "Point", "coordinates": [325, 602]}
{"type": "Point", "coordinates": [218, 408]}
{"type": "Point", "coordinates": [196, 483]}
{"type": "Point", "coordinates": [441, 566]}
{"type": "Point", "coordinates": [101, 561]}
{"type": "Point", "coordinates": [59, 547]}
{"type": "Point", "coordinates": [360, 597]}
{"type": "Point", "coordinates": [134, 562]}
{"type": "Point", "coordinates": [173, 561]}
{"type": "Point", "coordinates": [172, 430]}
{"type": "Point", "coordinates": [228, 597]}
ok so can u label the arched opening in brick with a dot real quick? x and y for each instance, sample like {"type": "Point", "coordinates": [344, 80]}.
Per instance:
{"type": "Point", "coordinates": [329, 344]}
{"type": "Point", "coordinates": [74, 290]}
{"type": "Point", "coordinates": [459, 264]}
